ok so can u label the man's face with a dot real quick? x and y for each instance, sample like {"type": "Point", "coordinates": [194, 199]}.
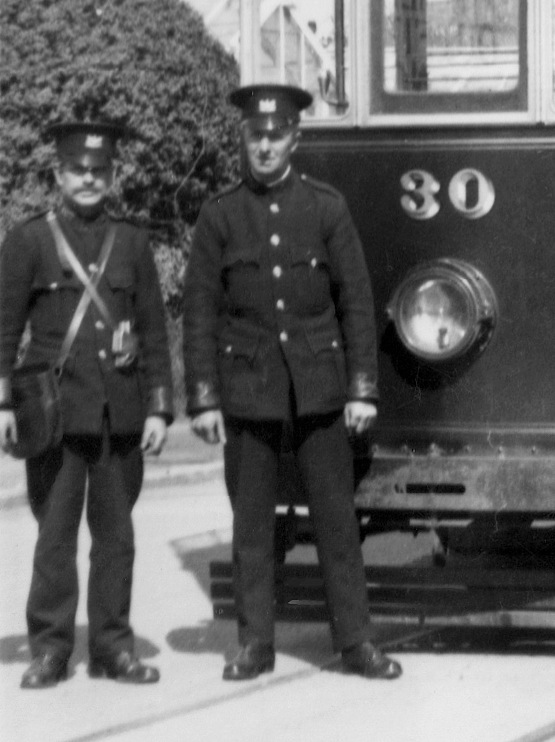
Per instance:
{"type": "Point", "coordinates": [269, 151]}
{"type": "Point", "coordinates": [84, 184]}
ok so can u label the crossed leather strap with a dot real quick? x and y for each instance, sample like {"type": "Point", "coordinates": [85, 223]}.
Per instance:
{"type": "Point", "coordinates": [69, 261]}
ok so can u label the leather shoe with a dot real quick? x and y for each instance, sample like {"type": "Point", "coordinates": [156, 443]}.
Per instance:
{"type": "Point", "coordinates": [123, 667]}
{"type": "Point", "coordinates": [252, 660]}
{"type": "Point", "coordinates": [366, 660]}
{"type": "Point", "coordinates": [45, 671]}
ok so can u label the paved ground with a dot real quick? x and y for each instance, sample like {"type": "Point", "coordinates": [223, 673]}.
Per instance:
{"type": "Point", "coordinates": [456, 692]}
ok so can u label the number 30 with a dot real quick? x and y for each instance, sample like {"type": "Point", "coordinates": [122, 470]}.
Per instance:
{"type": "Point", "coordinates": [470, 192]}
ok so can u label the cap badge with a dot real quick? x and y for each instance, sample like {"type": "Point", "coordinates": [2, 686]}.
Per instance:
{"type": "Point", "coordinates": [93, 141]}
{"type": "Point", "coordinates": [267, 105]}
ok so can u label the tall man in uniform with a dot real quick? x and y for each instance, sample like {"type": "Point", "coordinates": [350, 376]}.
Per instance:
{"type": "Point", "coordinates": [116, 396]}
{"type": "Point", "coordinates": [279, 329]}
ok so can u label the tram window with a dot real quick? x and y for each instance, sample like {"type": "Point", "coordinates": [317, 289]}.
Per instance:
{"type": "Point", "coordinates": [448, 56]}
{"type": "Point", "coordinates": [303, 43]}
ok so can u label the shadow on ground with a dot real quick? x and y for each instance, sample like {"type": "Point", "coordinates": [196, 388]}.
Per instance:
{"type": "Point", "coordinates": [15, 649]}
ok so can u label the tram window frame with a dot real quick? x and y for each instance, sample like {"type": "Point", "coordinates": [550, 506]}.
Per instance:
{"type": "Point", "coordinates": [251, 67]}
{"type": "Point", "coordinates": [530, 103]}
{"type": "Point", "coordinates": [418, 103]}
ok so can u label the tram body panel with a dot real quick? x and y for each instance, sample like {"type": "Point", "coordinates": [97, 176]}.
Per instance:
{"type": "Point", "coordinates": [475, 435]}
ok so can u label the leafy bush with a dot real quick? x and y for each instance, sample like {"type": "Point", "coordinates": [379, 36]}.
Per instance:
{"type": "Point", "coordinates": [147, 64]}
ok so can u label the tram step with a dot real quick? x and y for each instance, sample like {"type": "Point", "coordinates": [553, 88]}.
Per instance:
{"type": "Point", "coordinates": [432, 596]}
{"type": "Point", "coordinates": [517, 579]}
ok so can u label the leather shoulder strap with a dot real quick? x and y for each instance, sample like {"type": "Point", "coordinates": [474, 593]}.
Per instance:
{"type": "Point", "coordinates": [70, 261]}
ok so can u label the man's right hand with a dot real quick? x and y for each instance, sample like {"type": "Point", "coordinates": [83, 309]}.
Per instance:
{"type": "Point", "coordinates": [8, 430]}
{"type": "Point", "coordinates": [209, 426]}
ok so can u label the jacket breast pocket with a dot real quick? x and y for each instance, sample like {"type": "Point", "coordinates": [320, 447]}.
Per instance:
{"type": "Point", "coordinates": [241, 276]}
{"type": "Point", "coordinates": [122, 291]}
{"type": "Point", "coordinates": [311, 277]}
{"type": "Point", "coordinates": [53, 303]}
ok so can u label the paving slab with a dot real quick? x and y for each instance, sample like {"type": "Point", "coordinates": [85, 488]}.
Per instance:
{"type": "Point", "coordinates": [454, 693]}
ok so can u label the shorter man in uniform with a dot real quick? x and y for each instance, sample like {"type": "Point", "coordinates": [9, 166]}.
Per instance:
{"type": "Point", "coordinates": [279, 329]}
{"type": "Point", "coordinates": [116, 397]}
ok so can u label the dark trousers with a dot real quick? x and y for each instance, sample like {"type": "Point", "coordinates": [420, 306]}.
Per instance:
{"type": "Point", "coordinates": [325, 461]}
{"type": "Point", "coordinates": [109, 470]}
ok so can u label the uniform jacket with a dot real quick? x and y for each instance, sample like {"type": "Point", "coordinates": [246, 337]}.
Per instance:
{"type": "Point", "coordinates": [277, 297]}
{"type": "Point", "coordinates": [35, 287]}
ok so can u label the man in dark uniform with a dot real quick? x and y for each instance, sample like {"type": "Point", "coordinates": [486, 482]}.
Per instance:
{"type": "Point", "coordinates": [115, 386]}
{"type": "Point", "coordinates": [279, 329]}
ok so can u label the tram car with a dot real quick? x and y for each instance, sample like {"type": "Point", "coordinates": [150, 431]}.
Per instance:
{"type": "Point", "coordinates": [436, 120]}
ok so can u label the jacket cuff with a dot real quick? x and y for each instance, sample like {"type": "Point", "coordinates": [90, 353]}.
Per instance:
{"type": "Point", "coordinates": [5, 393]}
{"type": "Point", "coordinates": [160, 402]}
{"type": "Point", "coordinates": [202, 397]}
{"type": "Point", "coordinates": [363, 387]}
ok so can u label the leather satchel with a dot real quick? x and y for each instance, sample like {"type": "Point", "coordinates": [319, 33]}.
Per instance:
{"type": "Point", "coordinates": [37, 410]}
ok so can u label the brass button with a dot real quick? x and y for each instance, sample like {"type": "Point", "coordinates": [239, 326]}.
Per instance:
{"type": "Point", "coordinates": [280, 304]}
{"type": "Point", "coordinates": [277, 271]}
{"type": "Point", "coordinates": [283, 336]}
{"type": "Point", "coordinates": [274, 240]}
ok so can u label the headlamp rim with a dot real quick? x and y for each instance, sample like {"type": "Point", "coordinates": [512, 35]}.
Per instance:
{"type": "Point", "coordinates": [470, 283]}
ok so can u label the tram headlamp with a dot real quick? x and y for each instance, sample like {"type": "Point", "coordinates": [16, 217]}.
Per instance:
{"type": "Point", "coordinates": [442, 309]}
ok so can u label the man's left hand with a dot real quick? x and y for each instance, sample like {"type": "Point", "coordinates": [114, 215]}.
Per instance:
{"type": "Point", "coordinates": [154, 435]}
{"type": "Point", "coordinates": [359, 416]}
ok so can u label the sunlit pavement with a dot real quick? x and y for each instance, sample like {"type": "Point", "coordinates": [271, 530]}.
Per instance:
{"type": "Point", "coordinates": [182, 522]}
